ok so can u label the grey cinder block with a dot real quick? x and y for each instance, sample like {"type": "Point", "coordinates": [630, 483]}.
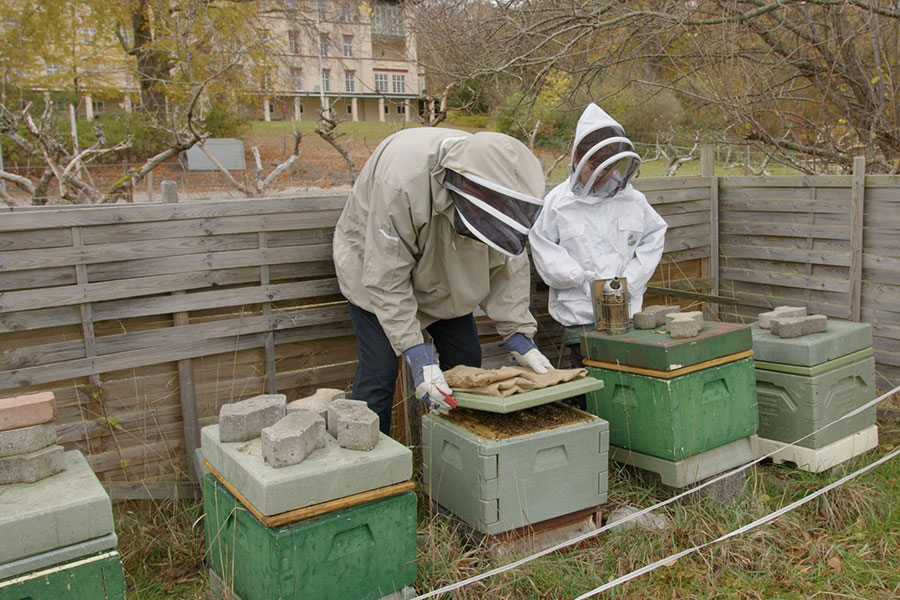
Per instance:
{"type": "Point", "coordinates": [34, 466]}
{"type": "Point", "coordinates": [765, 319]}
{"type": "Point", "coordinates": [357, 428]}
{"type": "Point", "coordinates": [293, 438]}
{"type": "Point", "coordinates": [244, 420]}
{"type": "Point", "coordinates": [653, 316]}
{"type": "Point", "coordinates": [798, 326]}
{"type": "Point", "coordinates": [318, 402]}
{"type": "Point", "coordinates": [336, 408]}
{"type": "Point", "coordinates": [684, 325]}
{"type": "Point", "coordinates": [27, 439]}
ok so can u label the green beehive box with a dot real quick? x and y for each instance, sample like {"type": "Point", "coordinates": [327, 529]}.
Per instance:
{"type": "Point", "coordinates": [654, 349]}
{"type": "Point", "coordinates": [840, 338]}
{"type": "Point", "coordinates": [363, 552]}
{"type": "Point", "coordinates": [794, 402]}
{"type": "Point", "coordinates": [94, 577]}
{"type": "Point", "coordinates": [496, 485]}
{"type": "Point", "coordinates": [674, 418]}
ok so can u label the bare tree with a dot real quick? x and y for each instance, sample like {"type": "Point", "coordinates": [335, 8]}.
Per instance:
{"type": "Point", "coordinates": [806, 79]}
{"type": "Point", "coordinates": [326, 129]}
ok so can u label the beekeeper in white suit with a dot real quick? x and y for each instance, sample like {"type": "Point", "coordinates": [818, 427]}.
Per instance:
{"type": "Point", "coordinates": [595, 225]}
{"type": "Point", "coordinates": [435, 227]}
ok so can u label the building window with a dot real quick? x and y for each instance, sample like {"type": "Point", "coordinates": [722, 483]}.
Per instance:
{"type": "Point", "coordinates": [387, 20]}
{"type": "Point", "coordinates": [297, 78]}
{"type": "Point", "coordinates": [381, 85]}
{"type": "Point", "coordinates": [387, 109]}
{"type": "Point", "coordinates": [401, 110]}
{"type": "Point", "coordinates": [349, 13]}
{"type": "Point", "coordinates": [349, 81]}
{"type": "Point", "coordinates": [323, 44]}
{"type": "Point", "coordinates": [97, 106]}
{"type": "Point", "coordinates": [322, 7]}
{"type": "Point", "coordinates": [349, 109]}
{"type": "Point", "coordinates": [293, 42]}
{"type": "Point", "coordinates": [399, 83]}
{"type": "Point", "coordinates": [326, 80]}
{"type": "Point", "coordinates": [52, 69]}
{"type": "Point", "coordinates": [348, 46]}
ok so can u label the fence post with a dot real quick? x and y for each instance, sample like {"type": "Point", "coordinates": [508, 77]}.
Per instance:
{"type": "Point", "coordinates": [857, 202]}
{"type": "Point", "coordinates": [708, 169]}
{"type": "Point", "coordinates": [169, 192]}
{"type": "Point", "coordinates": [189, 416]}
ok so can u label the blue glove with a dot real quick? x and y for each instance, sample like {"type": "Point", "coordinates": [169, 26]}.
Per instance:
{"type": "Point", "coordinates": [430, 384]}
{"type": "Point", "coordinates": [526, 353]}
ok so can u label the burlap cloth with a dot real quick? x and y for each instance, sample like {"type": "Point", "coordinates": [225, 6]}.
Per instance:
{"type": "Point", "coordinates": [506, 381]}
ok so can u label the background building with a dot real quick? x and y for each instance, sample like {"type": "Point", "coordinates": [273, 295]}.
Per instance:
{"type": "Point", "coordinates": [358, 59]}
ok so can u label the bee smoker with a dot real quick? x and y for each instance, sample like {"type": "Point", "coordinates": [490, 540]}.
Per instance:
{"type": "Point", "coordinates": [610, 301]}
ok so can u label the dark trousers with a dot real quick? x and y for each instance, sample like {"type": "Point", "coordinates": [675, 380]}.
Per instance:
{"type": "Point", "coordinates": [575, 360]}
{"type": "Point", "coordinates": [456, 341]}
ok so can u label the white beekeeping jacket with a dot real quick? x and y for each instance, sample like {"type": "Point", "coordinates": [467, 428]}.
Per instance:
{"type": "Point", "coordinates": [580, 237]}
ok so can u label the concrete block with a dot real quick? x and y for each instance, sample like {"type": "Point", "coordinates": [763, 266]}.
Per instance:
{"type": "Point", "coordinates": [34, 466]}
{"type": "Point", "coordinates": [785, 312]}
{"type": "Point", "coordinates": [684, 325]}
{"type": "Point", "coordinates": [318, 402]}
{"type": "Point", "coordinates": [654, 316]}
{"type": "Point", "coordinates": [293, 438]}
{"type": "Point", "coordinates": [799, 326]}
{"type": "Point", "coordinates": [336, 408]}
{"type": "Point", "coordinates": [651, 521]}
{"type": "Point", "coordinates": [58, 511]}
{"type": "Point", "coordinates": [357, 429]}
{"type": "Point", "coordinates": [27, 410]}
{"type": "Point", "coordinates": [27, 439]}
{"type": "Point", "coordinates": [58, 556]}
{"type": "Point", "coordinates": [244, 420]}
{"type": "Point", "coordinates": [326, 474]}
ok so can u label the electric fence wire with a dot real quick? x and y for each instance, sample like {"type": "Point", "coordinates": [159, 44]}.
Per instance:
{"type": "Point", "coordinates": [646, 569]}
{"type": "Point", "coordinates": [760, 521]}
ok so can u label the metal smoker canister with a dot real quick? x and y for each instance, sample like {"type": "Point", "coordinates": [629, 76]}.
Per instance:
{"type": "Point", "coordinates": [615, 306]}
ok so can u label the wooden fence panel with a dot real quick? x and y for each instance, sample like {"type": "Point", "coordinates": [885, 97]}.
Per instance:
{"type": "Point", "coordinates": [107, 305]}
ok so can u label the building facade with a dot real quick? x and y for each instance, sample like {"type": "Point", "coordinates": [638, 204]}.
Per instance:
{"type": "Point", "coordinates": [355, 59]}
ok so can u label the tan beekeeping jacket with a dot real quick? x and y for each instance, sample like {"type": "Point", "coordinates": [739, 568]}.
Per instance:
{"type": "Point", "coordinates": [397, 253]}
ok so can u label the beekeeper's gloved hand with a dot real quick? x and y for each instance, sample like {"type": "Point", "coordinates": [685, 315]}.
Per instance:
{"type": "Point", "coordinates": [428, 378]}
{"type": "Point", "coordinates": [526, 353]}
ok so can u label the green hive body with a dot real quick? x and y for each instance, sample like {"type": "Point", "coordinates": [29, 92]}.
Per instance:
{"type": "Point", "coordinates": [805, 383]}
{"type": "Point", "coordinates": [94, 577]}
{"type": "Point", "coordinates": [678, 417]}
{"type": "Point", "coordinates": [363, 552]}
{"type": "Point", "coordinates": [654, 349]}
{"type": "Point", "coordinates": [500, 485]}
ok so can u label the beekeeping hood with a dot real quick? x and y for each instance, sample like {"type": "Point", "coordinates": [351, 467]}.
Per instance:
{"type": "Point", "coordinates": [497, 186]}
{"type": "Point", "coordinates": [603, 154]}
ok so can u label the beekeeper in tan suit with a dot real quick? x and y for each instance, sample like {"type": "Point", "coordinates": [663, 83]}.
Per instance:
{"type": "Point", "coordinates": [434, 227]}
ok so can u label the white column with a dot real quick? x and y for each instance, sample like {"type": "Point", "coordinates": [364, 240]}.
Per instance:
{"type": "Point", "coordinates": [88, 108]}
{"type": "Point", "coordinates": [354, 110]}
{"type": "Point", "coordinates": [128, 106]}
{"type": "Point", "coordinates": [381, 109]}
{"type": "Point", "coordinates": [406, 110]}
{"type": "Point", "coordinates": [324, 103]}
{"type": "Point", "coordinates": [298, 116]}
{"type": "Point", "coordinates": [267, 116]}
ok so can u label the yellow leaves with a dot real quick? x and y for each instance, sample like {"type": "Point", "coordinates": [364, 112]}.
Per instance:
{"type": "Point", "coordinates": [875, 79]}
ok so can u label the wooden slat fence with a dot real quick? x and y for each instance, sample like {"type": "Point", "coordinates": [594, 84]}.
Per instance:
{"type": "Point", "coordinates": [129, 312]}
{"type": "Point", "coordinates": [829, 243]}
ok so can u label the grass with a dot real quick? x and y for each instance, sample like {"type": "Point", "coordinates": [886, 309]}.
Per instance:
{"type": "Point", "coordinates": [844, 544]}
